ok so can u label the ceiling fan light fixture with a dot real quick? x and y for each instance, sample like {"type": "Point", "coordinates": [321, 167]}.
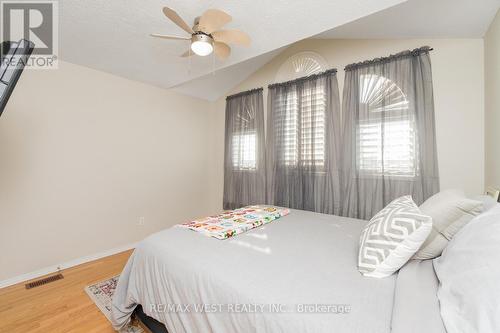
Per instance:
{"type": "Point", "coordinates": [202, 44]}
{"type": "Point", "coordinates": [206, 35]}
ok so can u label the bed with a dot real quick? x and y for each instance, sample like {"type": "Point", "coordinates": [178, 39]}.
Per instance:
{"type": "Point", "coordinates": [296, 274]}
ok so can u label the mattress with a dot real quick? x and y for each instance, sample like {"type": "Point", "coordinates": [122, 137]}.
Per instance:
{"type": "Point", "coordinates": [296, 274]}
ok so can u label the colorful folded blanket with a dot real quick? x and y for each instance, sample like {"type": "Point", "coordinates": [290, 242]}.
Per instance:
{"type": "Point", "coordinates": [234, 222]}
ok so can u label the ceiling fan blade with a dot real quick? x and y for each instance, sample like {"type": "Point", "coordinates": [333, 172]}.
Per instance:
{"type": "Point", "coordinates": [222, 50]}
{"type": "Point", "coordinates": [170, 37]}
{"type": "Point", "coordinates": [232, 37]}
{"type": "Point", "coordinates": [174, 17]}
{"type": "Point", "coordinates": [186, 54]}
{"type": "Point", "coordinates": [213, 19]}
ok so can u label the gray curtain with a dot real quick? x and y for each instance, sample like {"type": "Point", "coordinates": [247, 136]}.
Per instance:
{"type": "Point", "coordinates": [389, 141]}
{"type": "Point", "coordinates": [303, 138]}
{"type": "Point", "coordinates": [244, 157]}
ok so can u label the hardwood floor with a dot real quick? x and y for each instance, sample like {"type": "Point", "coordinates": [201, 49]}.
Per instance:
{"type": "Point", "coordinates": [60, 306]}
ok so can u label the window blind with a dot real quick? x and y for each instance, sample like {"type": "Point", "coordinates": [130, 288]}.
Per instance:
{"type": "Point", "coordinates": [387, 148]}
{"type": "Point", "coordinates": [244, 150]}
{"type": "Point", "coordinates": [300, 127]}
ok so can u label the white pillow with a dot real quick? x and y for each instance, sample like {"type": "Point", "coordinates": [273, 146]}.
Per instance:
{"type": "Point", "coordinates": [469, 275]}
{"type": "Point", "coordinates": [488, 201]}
{"type": "Point", "coordinates": [450, 211]}
{"type": "Point", "coordinates": [391, 237]}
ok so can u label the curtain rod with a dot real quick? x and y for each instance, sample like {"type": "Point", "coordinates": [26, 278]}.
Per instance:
{"type": "Point", "coordinates": [304, 78]}
{"type": "Point", "coordinates": [243, 93]}
{"type": "Point", "coordinates": [403, 54]}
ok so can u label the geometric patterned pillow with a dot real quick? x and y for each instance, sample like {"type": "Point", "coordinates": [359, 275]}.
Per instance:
{"type": "Point", "coordinates": [392, 237]}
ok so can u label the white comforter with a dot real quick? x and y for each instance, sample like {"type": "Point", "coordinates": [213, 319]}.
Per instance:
{"type": "Point", "coordinates": [303, 258]}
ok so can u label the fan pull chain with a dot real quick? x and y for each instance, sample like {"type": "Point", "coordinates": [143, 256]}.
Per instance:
{"type": "Point", "coordinates": [213, 63]}
{"type": "Point", "coordinates": [189, 59]}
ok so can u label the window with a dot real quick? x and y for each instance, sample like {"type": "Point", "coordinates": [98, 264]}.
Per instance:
{"type": "Point", "coordinates": [244, 151]}
{"type": "Point", "coordinates": [386, 136]}
{"type": "Point", "coordinates": [398, 154]}
{"type": "Point", "coordinates": [312, 139]}
{"type": "Point", "coordinates": [300, 123]}
{"type": "Point", "coordinates": [287, 121]}
{"type": "Point", "coordinates": [244, 138]}
{"type": "Point", "coordinates": [300, 113]}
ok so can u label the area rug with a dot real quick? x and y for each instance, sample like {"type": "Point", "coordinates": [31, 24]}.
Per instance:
{"type": "Point", "coordinates": [102, 294]}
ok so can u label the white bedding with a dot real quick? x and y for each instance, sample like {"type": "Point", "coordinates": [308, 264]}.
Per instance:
{"type": "Point", "coordinates": [469, 275]}
{"type": "Point", "coordinates": [416, 305]}
{"type": "Point", "coordinates": [303, 258]}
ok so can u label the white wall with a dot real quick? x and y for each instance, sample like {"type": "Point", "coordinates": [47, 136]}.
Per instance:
{"type": "Point", "coordinates": [84, 154]}
{"type": "Point", "coordinates": [492, 95]}
{"type": "Point", "coordinates": [458, 76]}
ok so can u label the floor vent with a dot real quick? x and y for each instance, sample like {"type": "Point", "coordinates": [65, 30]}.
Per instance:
{"type": "Point", "coordinates": [43, 281]}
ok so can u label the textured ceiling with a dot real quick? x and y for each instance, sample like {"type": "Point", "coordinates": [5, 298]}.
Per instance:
{"type": "Point", "coordinates": [411, 19]}
{"type": "Point", "coordinates": [214, 85]}
{"type": "Point", "coordinates": [113, 36]}
{"type": "Point", "coordinates": [423, 19]}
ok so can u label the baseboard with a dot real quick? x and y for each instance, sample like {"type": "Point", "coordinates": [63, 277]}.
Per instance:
{"type": "Point", "coordinates": [68, 264]}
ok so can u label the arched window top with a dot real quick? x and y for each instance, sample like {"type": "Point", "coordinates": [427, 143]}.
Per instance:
{"type": "Point", "coordinates": [300, 65]}
{"type": "Point", "coordinates": [381, 94]}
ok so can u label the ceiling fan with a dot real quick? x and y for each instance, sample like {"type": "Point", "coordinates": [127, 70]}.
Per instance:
{"type": "Point", "coordinates": [205, 34]}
